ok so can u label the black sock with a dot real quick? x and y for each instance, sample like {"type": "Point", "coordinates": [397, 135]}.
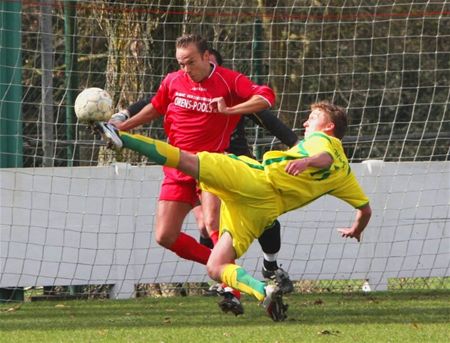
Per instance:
{"type": "Point", "coordinates": [207, 242]}
{"type": "Point", "coordinates": [270, 265]}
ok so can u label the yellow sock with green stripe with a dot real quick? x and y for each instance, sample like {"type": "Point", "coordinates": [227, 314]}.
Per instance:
{"type": "Point", "coordinates": [159, 152]}
{"type": "Point", "coordinates": [237, 278]}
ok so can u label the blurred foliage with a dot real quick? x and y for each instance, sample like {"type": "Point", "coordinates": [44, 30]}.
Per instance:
{"type": "Point", "coordinates": [388, 63]}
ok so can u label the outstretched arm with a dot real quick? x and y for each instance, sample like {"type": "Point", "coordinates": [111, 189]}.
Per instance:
{"type": "Point", "coordinates": [362, 218]}
{"type": "Point", "coordinates": [130, 111]}
{"type": "Point", "coordinates": [146, 115]}
{"type": "Point", "coordinates": [255, 104]}
{"type": "Point", "coordinates": [275, 126]}
{"type": "Point", "coordinates": [321, 160]}
{"type": "Point", "coordinates": [136, 107]}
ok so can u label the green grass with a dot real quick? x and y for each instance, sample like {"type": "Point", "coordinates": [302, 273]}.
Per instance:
{"type": "Point", "coordinates": [421, 316]}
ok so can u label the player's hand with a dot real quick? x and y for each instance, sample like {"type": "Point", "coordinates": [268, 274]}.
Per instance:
{"type": "Point", "coordinates": [297, 166]}
{"type": "Point", "coordinates": [350, 233]}
{"type": "Point", "coordinates": [218, 105]}
{"type": "Point", "coordinates": [120, 117]}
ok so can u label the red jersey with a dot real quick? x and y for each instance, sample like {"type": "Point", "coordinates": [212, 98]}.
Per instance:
{"type": "Point", "coordinates": [188, 121]}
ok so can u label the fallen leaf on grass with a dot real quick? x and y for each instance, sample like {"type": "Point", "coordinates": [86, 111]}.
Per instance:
{"type": "Point", "coordinates": [102, 332]}
{"type": "Point", "coordinates": [12, 309]}
{"type": "Point", "coordinates": [167, 320]}
{"type": "Point", "coordinates": [373, 300]}
{"type": "Point", "coordinates": [60, 306]}
{"type": "Point", "coordinates": [329, 332]}
{"type": "Point", "coordinates": [133, 314]}
{"type": "Point", "coordinates": [318, 302]}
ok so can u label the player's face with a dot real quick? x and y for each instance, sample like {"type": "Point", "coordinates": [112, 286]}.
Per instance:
{"type": "Point", "coordinates": [318, 120]}
{"type": "Point", "coordinates": [193, 63]}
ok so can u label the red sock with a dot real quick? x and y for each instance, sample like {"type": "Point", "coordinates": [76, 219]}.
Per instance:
{"type": "Point", "coordinates": [188, 248]}
{"type": "Point", "coordinates": [233, 291]}
{"type": "Point", "coordinates": [214, 236]}
{"type": "Point", "coordinates": [236, 293]}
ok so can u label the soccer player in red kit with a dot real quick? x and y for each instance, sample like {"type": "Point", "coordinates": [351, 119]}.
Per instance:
{"type": "Point", "coordinates": [187, 100]}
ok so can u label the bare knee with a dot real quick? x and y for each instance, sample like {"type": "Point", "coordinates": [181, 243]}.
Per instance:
{"type": "Point", "coordinates": [213, 271]}
{"type": "Point", "coordinates": [169, 221]}
{"type": "Point", "coordinates": [211, 211]}
{"type": "Point", "coordinates": [165, 239]}
{"type": "Point", "coordinates": [211, 224]}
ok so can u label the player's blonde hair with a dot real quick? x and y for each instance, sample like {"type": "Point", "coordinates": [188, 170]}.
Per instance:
{"type": "Point", "coordinates": [337, 115]}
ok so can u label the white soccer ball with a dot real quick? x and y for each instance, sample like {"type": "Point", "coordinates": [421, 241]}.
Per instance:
{"type": "Point", "coordinates": [93, 104]}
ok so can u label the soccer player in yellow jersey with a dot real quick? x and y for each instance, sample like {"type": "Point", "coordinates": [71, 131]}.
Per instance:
{"type": "Point", "coordinates": [254, 194]}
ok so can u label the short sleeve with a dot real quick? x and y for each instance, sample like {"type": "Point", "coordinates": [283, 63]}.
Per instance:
{"type": "Point", "coordinates": [161, 100]}
{"type": "Point", "coordinates": [351, 192]}
{"type": "Point", "coordinates": [245, 89]}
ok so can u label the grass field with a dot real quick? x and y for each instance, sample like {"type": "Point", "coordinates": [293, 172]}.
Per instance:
{"type": "Point", "coordinates": [420, 316]}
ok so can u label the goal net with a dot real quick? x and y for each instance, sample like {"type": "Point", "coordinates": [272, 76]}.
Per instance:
{"type": "Point", "coordinates": [73, 213]}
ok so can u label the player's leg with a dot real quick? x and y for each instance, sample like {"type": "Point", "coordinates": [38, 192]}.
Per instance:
{"type": "Point", "coordinates": [270, 242]}
{"type": "Point", "coordinates": [211, 214]}
{"type": "Point", "coordinates": [177, 197]}
{"type": "Point", "coordinates": [204, 238]}
{"type": "Point", "coordinates": [240, 222]}
{"type": "Point", "coordinates": [158, 151]}
{"type": "Point", "coordinates": [221, 267]}
{"type": "Point", "coordinates": [169, 220]}
{"type": "Point", "coordinates": [167, 155]}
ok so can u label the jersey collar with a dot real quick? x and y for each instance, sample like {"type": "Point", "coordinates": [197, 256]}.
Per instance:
{"type": "Point", "coordinates": [212, 70]}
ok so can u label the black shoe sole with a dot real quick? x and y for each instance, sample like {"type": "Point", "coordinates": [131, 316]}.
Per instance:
{"type": "Point", "coordinates": [287, 288]}
{"type": "Point", "coordinates": [278, 309]}
{"type": "Point", "coordinates": [228, 306]}
{"type": "Point", "coordinates": [285, 284]}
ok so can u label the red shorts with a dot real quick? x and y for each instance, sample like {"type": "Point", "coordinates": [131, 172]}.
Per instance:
{"type": "Point", "coordinates": [177, 186]}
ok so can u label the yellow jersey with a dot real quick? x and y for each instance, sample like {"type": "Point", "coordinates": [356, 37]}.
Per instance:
{"type": "Point", "coordinates": [254, 194]}
{"type": "Point", "coordinates": [298, 191]}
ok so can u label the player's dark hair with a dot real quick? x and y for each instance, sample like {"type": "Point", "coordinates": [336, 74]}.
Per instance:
{"type": "Point", "coordinates": [337, 115]}
{"type": "Point", "coordinates": [217, 55]}
{"type": "Point", "coordinates": [186, 39]}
